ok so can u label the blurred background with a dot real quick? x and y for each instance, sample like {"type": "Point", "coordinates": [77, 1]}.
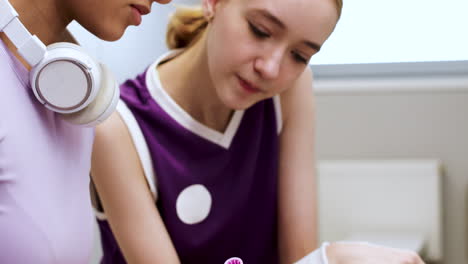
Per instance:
{"type": "Point", "coordinates": [392, 102]}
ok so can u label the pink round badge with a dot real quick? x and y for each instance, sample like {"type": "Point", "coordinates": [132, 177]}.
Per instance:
{"type": "Point", "coordinates": [234, 261]}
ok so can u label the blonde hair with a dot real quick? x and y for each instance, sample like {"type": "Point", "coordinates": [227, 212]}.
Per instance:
{"type": "Point", "coordinates": [187, 24]}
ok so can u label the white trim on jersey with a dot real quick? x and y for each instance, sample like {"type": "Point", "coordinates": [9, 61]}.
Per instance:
{"type": "Point", "coordinates": [279, 115]}
{"type": "Point", "coordinates": [182, 117]}
{"type": "Point", "coordinates": [99, 215]}
{"type": "Point", "coordinates": [140, 145]}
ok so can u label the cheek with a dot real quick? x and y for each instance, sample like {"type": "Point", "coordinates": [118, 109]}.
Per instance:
{"type": "Point", "coordinates": [230, 41]}
{"type": "Point", "coordinates": [224, 54]}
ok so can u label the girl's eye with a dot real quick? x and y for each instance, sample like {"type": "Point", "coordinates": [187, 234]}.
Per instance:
{"type": "Point", "coordinates": [258, 32]}
{"type": "Point", "coordinates": [299, 58]}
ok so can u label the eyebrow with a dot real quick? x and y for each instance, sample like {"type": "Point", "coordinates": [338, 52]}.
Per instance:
{"type": "Point", "coordinates": [280, 24]}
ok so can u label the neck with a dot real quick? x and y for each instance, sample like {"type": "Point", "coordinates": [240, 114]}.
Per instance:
{"type": "Point", "coordinates": [46, 19]}
{"type": "Point", "coordinates": [187, 79]}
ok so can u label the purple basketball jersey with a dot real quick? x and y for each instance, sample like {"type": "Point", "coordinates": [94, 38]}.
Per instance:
{"type": "Point", "coordinates": [216, 192]}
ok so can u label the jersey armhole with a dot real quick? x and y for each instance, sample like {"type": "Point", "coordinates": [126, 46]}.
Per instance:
{"type": "Point", "coordinates": [140, 145]}
{"type": "Point", "coordinates": [143, 155]}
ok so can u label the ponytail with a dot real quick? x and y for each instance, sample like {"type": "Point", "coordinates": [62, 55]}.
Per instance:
{"type": "Point", "coordinates": [185, 26]}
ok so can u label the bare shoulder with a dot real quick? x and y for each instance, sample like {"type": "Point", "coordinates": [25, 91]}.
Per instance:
{"type": "Point", "coordinates": [112, 129]}
{"type": "Point", "coordinates": [299, 98]}
{"type": "Point", "coordinates": [115, 158]}
{"type": "Point", "coordinates": [112, 139]}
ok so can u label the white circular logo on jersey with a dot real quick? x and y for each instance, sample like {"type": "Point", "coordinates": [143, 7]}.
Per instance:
{"type": "Point", "coordinates": [193, 204]}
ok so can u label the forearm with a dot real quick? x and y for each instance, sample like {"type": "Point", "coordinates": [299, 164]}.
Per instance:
{"type": "Point", "coordinates": [297, 221]}
{"type": "Point", "coordinates": [296, 243]}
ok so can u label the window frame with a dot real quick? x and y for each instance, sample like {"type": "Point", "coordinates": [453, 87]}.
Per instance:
{"type": "Point", "coordinates": [399, 77]}
{"type": "Point", "coordinates": [394, 69]}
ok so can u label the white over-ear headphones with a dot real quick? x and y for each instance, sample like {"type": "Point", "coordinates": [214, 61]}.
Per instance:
{"type": "Point", "coordinates": [63, 77]}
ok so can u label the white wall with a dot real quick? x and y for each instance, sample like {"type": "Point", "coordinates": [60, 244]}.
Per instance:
{"type": "Point", "coordinates": [376, 31]}
{"type": "Point", "coordinates": [403, 124]}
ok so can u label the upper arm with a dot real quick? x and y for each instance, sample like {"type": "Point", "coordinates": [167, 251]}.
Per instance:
{"type": "Point", "coordinates": [297, 187]}
{"type": "Point", "coordinates": [126, 198]}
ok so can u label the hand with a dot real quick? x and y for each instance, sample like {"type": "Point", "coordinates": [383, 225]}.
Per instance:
{"type": "Point", "coordinates": [364, 253]}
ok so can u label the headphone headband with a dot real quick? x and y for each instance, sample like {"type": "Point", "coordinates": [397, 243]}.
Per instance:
{"type": "Point", "coordinates": [7, 13]}
{"type": "Point", "coordinates": [30, 47]}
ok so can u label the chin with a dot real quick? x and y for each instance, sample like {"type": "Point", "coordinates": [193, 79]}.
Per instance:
{"type": "Point", "coordinates": [238, 104]}
{"type": "Point", "coordinates": [112, 35]}
{"type": "Point", "coordinates": [109, 33]}
{"type": "Point", "coordinates": [235, 101]}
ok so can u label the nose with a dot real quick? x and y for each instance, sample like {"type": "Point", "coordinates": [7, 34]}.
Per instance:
{"type": "Point", "coordinates": [163, 1]}
{"type": "Point", "coordinates": [269, 63]}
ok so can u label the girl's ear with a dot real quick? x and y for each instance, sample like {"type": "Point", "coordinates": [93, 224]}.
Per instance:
{"type": "Point", "coordinates": [209, 8]}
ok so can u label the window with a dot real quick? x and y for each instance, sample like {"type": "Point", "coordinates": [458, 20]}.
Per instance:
{"type": "Point", "coordinates": [384, 31]}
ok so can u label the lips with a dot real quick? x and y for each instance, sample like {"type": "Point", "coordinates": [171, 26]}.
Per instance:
{"type": "Point", "coordinates": [143, 10]}
{"type": "Point", "coordinates": [248, 85]}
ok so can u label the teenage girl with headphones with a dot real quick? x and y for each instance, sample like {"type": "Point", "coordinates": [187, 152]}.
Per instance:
{"type": "Point", "coordinates": [210, 155]}
{"type": "Point", "coordinates": [51, 94]}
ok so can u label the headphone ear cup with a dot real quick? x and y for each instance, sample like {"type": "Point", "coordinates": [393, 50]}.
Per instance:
{"type": "Point", "coordinates": [102, 107]}
{"type": "Point", "coordinates": [67, 79]}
